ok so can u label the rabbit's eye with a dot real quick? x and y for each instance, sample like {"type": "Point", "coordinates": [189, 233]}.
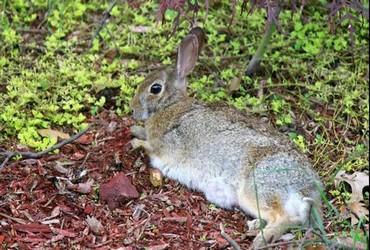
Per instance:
{"type": "Point", "coordinates": [156, 88]}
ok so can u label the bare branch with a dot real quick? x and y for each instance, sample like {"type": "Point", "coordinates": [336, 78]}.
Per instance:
{"type": "Point", "coordinates": [9, 154]}
{"type": "Point", "coordinates": [227, 237]}
{"type": "Point", "coordinates": [102, 22]}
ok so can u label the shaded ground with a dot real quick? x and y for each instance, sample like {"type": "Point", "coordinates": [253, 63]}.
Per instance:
{"type": "Point", "coordinates": [42, 207]}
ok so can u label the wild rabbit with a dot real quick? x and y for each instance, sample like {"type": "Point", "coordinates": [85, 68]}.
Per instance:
{"type": "Point", "coordinates": [233, 158]}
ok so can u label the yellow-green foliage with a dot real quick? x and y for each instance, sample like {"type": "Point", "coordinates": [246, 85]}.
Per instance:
{"type": "Point", "coordinates": [51, 79]}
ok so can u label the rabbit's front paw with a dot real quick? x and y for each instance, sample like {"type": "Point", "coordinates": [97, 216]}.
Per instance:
{"type": "Point", "coordinates": [138, 132]}
{"type": "Point", "coordinates": [136, 143]}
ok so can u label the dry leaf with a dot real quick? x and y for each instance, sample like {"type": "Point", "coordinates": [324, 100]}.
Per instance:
{"type": "Point", "coordinates": [111, 54]}
{"type": "Point", "coordinates": [358, 211]}
{"type": "Point", "coordinates": [95, 225]}
{"type": "Point", "coordinates": [234, 85]}
{"type": "Point", "coordinates": [357, 181]}
{"type": "Point", "coordinates": [53, 133]}
{"type": "Point", "coordinates": [156, 177]}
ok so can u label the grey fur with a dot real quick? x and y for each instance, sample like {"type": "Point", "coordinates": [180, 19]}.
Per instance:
{"type": "Point", "coordinates": [232, 157]}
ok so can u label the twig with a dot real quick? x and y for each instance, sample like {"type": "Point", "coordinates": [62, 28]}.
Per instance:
{"type": "Point", "coordinates": [102, 22]}
{"type": "Point", "coordinates": [142, 229]}
{"type": "Point", "coordinates": [231, 241]}
{"type": "Point", "coordinates": [9, 154]}
{"type": "Point", "coordinates": [113, 39]}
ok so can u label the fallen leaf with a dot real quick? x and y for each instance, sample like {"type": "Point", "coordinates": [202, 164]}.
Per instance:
{"type": "Point", "coordinates": [358, 211]}
{"type": "Point", "coordinates": [53, 133]}
{"type": "Point", "coordinates": [156, 177]}
{"type": "Point", "coordinates": [85, 139]}
{"type": "Point", "coordinates": [111, 54]}
{"type": "Point", "coordinates": [234, 85]}
{"type": "Point", "coordinates": [94, 225]}
{"type": "Point", "coordinates": [358, 181]}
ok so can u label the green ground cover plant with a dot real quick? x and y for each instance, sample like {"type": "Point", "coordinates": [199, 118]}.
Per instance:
{"type": "Point", "coordinates": [59, 65]}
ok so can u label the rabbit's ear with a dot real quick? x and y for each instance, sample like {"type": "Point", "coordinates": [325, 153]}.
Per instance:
{"type": "Point", "coordinates": [187, 56]}
{"type": "Point", "coordinates": [201, 35]}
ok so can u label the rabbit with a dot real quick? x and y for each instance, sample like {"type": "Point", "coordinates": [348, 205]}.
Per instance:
{"type": "Point", "coordinates": [230, 156]}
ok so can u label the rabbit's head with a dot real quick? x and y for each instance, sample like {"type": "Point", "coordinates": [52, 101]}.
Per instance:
{"type": "Point", "coordinates": [163, 88]}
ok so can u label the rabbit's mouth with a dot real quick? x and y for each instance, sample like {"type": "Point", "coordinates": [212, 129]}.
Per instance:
{"type": "Point", "coordinates": [141, 116]}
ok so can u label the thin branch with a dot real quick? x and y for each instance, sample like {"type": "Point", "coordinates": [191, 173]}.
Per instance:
{"type": "Point", "coordinates": [102, 22]}
{"type": "Point", "coordinates": [9, 154]}
{"type": "Point", "coordinates": [227, 237]}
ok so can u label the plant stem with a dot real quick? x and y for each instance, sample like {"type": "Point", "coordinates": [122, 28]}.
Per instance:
{"type": "Point", "coordinates": [257, 57]}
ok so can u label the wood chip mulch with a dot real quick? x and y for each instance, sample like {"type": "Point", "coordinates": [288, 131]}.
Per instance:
{"type": "Point", "coordinates": [54, 203]}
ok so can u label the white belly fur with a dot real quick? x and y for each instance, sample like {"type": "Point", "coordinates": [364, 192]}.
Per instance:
{"type": "Point", "coordinates": [217, 189]}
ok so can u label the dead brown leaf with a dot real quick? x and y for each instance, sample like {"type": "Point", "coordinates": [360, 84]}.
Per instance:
{"type": "Point", "coordinates": [357, 181]}
{"type": "Point", "coordinates": [156, 177]}
{"type": "Point", "coordinates": [234, 85]}
{"type": "Point", "coordinates": [53, 133]}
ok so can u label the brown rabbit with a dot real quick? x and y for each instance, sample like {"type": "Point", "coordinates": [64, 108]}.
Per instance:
{"type": "Point", "coordinates": [231, 157]}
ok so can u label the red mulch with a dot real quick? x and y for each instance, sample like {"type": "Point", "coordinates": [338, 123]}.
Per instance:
{"type": "Point", "coordinates": [53, 202]}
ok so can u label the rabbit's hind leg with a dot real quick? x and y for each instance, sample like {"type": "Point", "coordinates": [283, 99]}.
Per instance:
{"type": "Point", "coordinates": [276, 225]}
{"type": "Point", "coordinates": [269, 210]}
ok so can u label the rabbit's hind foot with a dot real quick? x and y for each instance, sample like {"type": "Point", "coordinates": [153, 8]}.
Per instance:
{"type": "Point", "coordinates": [277, 225]}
